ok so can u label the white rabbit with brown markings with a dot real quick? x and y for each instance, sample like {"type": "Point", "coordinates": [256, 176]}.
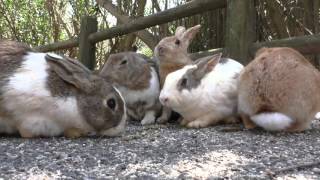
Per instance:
{"type": "Point", "coordinates": [204, 93]}
{"type": "Point", "coordinates": [44, 95]}
{"type": "Point", "coordinates": [136, 76]}
{"type": "Point", "coordinates": [279, 91]}
{"type": "Point", "coordinates": [172, 53]}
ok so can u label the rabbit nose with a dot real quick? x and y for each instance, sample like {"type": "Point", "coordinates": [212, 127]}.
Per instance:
{"type": "Point", "coordinates": [164, 99]}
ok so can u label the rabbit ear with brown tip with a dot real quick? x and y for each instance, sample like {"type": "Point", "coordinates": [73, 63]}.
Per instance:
{"type": "Point", "coordinates": [73, 73]}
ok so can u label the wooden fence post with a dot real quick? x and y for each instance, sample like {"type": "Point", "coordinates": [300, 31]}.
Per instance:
{"type": "Point", "coordinates": [86, 49]}
{"type": "Point", "coordinates": [241, 29]}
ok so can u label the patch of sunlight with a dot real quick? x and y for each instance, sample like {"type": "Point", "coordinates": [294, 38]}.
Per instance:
{"type": "Point", "coordinates": [210, 164]}
{"type": "Point", "coordinates": [297, 176]}
{"type": "Point", "coordinates": [37, 174]}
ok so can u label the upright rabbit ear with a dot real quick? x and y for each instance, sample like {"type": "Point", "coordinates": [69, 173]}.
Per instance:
{"type": "Point", "coordinates": [179, 31]}
{"type": "Point", "coordinates": [206, 64]}
{"type": "Point", "coordinates": [190, 33]}
{"type": "Point", "coordinates": [73, 73]}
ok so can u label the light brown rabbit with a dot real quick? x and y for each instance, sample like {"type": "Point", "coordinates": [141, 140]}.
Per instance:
{"type": "Point", "coordinates": [279, 91]}
{"type": "Point", "coordinates": [172, 53]}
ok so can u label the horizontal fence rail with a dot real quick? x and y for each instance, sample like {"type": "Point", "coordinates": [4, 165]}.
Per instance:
{"type": "Point", "coordinates": [304, 44]}
{"type": "Point", "coordinates": [185, 10]}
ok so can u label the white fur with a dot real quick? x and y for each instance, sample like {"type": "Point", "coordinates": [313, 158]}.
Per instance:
{"type": "Point", "coordinates": [209, 98]}
{"type": "Point", "coordinates": [317, 116]}
{"type": "Point", "coordinates": [33, 107]}
{"type": "Point", "coordinates": [121, 126]}
{"type": "Point", "coordinates": [272, 121]}
{"type": "Point", "coordinates": [149, 118]}
{"type": "Point", "coordinates": [148, 95]}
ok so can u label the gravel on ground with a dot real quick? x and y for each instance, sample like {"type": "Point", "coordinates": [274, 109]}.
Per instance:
{"type": "Point", "coordinates": [166, 152]}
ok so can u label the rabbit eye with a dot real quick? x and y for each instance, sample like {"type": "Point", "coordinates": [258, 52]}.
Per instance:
{"type": "Point", "coordinates": [184, 82]}
{"type": "Point", "coordinates": [177, 42]}
{"type": "Point", "coordinates": [111, 103]}
{"type": "Point", "coordinates": [123, 62]}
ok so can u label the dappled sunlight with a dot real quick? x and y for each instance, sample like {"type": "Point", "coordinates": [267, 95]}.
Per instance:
{"type": "Point", "coordinates": [37, 174]}
{"type": "Point", "coordinates": [211, 164]}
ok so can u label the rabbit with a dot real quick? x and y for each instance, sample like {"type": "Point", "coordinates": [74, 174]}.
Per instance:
{"type": "Point", "coordinates": [172, 54]}
{"type": "Point", "coordinates": [44, 95]}
{"type": "Point", "coordinates": [137, 78]}
{"type": "Point", "coordinates": [279, 91]}
{"type": "Point", "coordinates": [204, 93]}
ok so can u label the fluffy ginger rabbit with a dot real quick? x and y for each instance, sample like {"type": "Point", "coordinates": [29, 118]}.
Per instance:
{"type": "Point", "coordinates": [279, 91]}
{"type": "Point", "coordinates": [204, 93]}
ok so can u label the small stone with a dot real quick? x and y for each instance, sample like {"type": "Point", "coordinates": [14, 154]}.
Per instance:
{"type": "Point", "coordinates": [316, 170]}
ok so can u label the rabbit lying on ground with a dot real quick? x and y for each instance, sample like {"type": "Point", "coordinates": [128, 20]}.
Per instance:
{"type": "Point", "coordinates": [49, 95]}
{"type": "Point", "coordinates": [204, 93]}
{"type": "Point", "coordinates": [136, 76]}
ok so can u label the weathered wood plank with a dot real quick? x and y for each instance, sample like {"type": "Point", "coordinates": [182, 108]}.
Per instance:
{"type": "Point", "coordinates": [87, 49]}
{"type": "Point", "coordinates": [240, 32]}
{"type": "Point", "coordinates": [71, 43]}
{"type": "Point", "coordinates": [304, 44]}
{"type": "Point", "coordinates": [188, 9]}
{"type": "Point", "coordinates": [185, 10]}
{"type": "Point", "coordinates": [201, 54]}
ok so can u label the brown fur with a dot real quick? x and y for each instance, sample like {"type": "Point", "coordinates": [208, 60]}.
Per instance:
{"type": "Point", "coordinates": [166, 68]}
{"type": "Point", "coordinates": [134, 75]}
{"type": "Point", "coordinates": [11, 54]}
{"type": "Point", "coordinates": [281, 80]}
{"type": "Point", "coordinates": [173, 56]}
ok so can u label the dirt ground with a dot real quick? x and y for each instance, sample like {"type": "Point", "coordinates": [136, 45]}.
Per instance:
{"type": "Point", "coordinates": [166, 152]}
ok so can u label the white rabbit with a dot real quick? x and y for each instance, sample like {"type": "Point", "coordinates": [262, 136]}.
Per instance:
{"type": "Point", "coordinates": [49, 95]}
{"type": "Point", "coordinates": [204, 93]}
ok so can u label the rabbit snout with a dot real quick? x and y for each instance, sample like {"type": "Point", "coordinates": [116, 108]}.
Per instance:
{"type": "Point", "coordinates": [164, 99]}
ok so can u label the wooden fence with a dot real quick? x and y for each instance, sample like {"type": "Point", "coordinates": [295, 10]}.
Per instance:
{"type": "Point", "coordinates": [240, 34]}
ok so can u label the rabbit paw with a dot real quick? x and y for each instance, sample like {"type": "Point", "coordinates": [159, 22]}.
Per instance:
{"type": "Point", "coordinates": [73, 133]}
{"type": "Point", "coordinates": [248, 124]}
{"type": "Point", "coordinates": [184, 122]}
{"type": "Point", "coordinates": [25, 133]}
{"type": "Point", "coordinates": [149, 118]}
{"type": "Point", "coordinates": [197, 124]}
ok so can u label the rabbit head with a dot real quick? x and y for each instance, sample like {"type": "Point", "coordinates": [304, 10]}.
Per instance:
{"type": "Point", "coordinates": [175, 48]}
{"type": "Point", "coordinates": [101, 105]}
{"type": "Point", "coordinates": [128, 69]}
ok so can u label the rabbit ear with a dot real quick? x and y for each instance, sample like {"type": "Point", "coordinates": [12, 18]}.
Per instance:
{"type": "Point", "coordinates": [206, 64]}
{"type": "Point", "coordinates": [190, 33]}
{"type": "Point", "coordinates": [179, 31]}
{"type": "Point", "coordinates": [73, 73]}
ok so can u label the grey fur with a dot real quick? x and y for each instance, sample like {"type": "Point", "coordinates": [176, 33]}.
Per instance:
{"type": "Point", "coordinates": [11, 58]}
{"type": "Point", "coordinates": [69, 78]}
{"type": "Point", "coordinates": [132, 71]}
{"type": "Point", "coordinates": [192, 78]}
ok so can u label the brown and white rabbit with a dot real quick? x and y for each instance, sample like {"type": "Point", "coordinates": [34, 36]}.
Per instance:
{"type": "Point", "coordinates": [49, 95]}
{"type": "Point", "coordinates": [136, 77]}
{"type": "Point", "coordinates": [204, 93]}
{"type": "Point", "coordinates": [172, 54]}
{"type": "Point", "coordinates": [279, 91]}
